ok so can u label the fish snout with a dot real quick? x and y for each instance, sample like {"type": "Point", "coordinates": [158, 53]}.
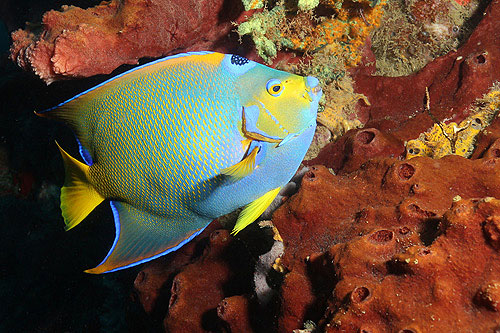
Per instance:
{"type": "Point", "coordinates": [313, 88]}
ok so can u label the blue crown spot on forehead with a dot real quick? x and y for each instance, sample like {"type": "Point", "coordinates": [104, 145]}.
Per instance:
{"type": "Point", "coordinates": [236, 64]}
{"type": "Point", "coordinates": [239, 60]}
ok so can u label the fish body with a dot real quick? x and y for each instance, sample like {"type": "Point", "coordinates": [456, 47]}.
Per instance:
{"type": "Point", "coordinates": [180, 141]}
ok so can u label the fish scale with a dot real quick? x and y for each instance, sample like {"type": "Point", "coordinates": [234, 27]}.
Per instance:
{"type": "Point", "coordinates": [128, 130]}
{"type": "Point", "coordinates": [180, 141]}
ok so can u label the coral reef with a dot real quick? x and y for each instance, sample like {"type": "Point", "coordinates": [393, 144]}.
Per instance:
{"type": "Point", "coordinates": [454, 81]}
{"type": "Point", "coordinates": [198, 294]}
{"type": "Point", "coordinates": [417, 31]}
{"type": "Point", "coordinates": [387, 243]}
{"type": "Point", "coordinates": [253, 4]}
{"type": "Point", "coordinates": [381, 238]}
{"type": "Point", "coordinates": [446, 139]}
{"type": "Point", "coordinates": [343, 34]}
{"type": "Point", "coordinates": [150, 280]}
{"type": "Point", "coordinates": [209, 279]}
{"type": "Point", "coordinates": [342, 29]}
{"type": "Point", "coordinates": [321, 138]}
{"type": "Point", "coordinates": [354, 148]}
{"type": "Point", "coordinates": [371, 242]}
{"type": "Point", "coordinates": [458, 84]}
{"type": "Point", "coordinates": [394, 235]}
{"type": "Point", "coordinates": [425, 287]}
{"type": "Point", "coordinates": [78, 42]}
{"type": "Point", "coordinates": [262, 27]}
{"type": "Point", "coordinates": [339, 106]}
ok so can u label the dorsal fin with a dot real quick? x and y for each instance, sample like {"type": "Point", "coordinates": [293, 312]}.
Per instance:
{"type": "Point", "coordinates": [67, 109]}
{"type": "Point", "coordinates": [73, 110]}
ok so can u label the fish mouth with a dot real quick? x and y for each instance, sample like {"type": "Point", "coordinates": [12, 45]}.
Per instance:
{"type": "Point", "coordinates": [316, 90]}
{"type": "Point", "coordinates": [313, 94]}
{"type": "Point", "coordinates": [313, 89]}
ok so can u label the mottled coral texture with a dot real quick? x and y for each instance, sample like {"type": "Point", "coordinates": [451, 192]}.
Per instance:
{"type": "Point", "coordinates": [397, 104]}
{"type": "Point", "coordinates": [200, 287]}
{"type": "Point", "coordinates": [78, 42]}
{"type": "Point", "coordinates": [387, 244]}
{"type": "Point", "coordinates": [454, 81]}
{"type": "Point", "coordinates": [394, 245]}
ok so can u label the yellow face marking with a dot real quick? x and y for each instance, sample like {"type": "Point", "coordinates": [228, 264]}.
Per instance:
{"type": "Point", "coordinates": [286, 107]}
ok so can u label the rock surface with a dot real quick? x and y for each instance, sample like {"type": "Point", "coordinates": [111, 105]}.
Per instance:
{"type": "Point", "coordinates": [397, 114]}
{"type": "Point", "coordinates": [78, 42]}
{"type": "Point", "coordinates": [393, 244]}
{"type": "Point", "coordinates": [454, 80]}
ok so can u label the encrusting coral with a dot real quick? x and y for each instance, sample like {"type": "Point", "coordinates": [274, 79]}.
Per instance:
{"type": "Point", "coordinates": [417, 31]}
{"type": "Point", "coordinates": [374, 253]}
{"type": "Point", "coordinates": [445, 139]}
{"type": "Point", "coordinates": [436, 280]}
{"type": "Point", "coordinates": [455, 82]}
{"type": "Point", "coordinates": [78, 42]}
{"type": "Point", "coordinates": [342, 31]}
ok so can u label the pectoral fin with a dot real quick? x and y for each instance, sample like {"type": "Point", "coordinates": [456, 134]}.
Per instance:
{"type": "Point", "coordinates": [78, 196]}
{"type": "Point", "coordinates": [142, 236]}
{"type": "Point", "coordinates": [242, 168]}
{"type": "Point", "coordinates": [253, 210]}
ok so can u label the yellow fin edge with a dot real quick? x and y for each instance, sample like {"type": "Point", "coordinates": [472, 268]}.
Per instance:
{"type": "Point", "coordinates": [242, 168]}
{"type": "Point", "coordinates": [78, 196]}
{"type": "Point", "coordinates": [253, 210]}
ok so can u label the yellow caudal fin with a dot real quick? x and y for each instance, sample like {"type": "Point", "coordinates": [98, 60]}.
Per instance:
{"type": "Point", "coordinates": [243, 168]}
{"type": "Point", "coordinates": [78, 196]}
{"type": "Point", "coordinates": [253, 210]}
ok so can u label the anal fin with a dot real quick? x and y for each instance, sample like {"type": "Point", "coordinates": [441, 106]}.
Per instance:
{"type": "Point", "coordinates": [253, 210]}
{"type": "Point", "coordinates": [142, 236]}
{"type": "Point", "coordinates": [78, 196]}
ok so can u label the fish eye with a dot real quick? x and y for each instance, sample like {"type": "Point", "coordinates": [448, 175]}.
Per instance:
{"type": "Point", "coordinates": [274, 87]}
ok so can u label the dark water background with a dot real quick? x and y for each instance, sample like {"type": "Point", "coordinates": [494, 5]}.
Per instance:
{"type": "Point", "coordinates": [42, 284]}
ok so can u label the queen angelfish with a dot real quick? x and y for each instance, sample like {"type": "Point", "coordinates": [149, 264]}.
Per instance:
{"type": "Point", "coordinates": [180, 141]}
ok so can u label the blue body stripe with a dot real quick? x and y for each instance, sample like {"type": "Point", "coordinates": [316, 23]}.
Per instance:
{"type": "Point", "coordinates": [84, 153]}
